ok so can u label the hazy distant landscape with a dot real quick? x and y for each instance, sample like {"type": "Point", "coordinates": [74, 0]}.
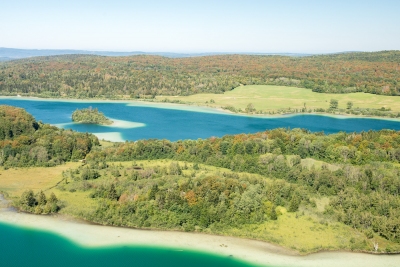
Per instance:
{"type": "Point", "coordinates": [7, 54]}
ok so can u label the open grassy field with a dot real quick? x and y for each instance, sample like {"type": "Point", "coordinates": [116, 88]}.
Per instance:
{"type": "Point", "coordinates": [302, 233]}
{"type": "Point", "coordinates": [15, 181]}
{"type": "Point", "coordinates": [271, 98]}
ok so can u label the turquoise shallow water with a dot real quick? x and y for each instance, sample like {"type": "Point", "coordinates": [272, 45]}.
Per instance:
{"type": "Point", "coordinates": [180, 124]}
{"type": "Point", "coordinates": [26, 247]}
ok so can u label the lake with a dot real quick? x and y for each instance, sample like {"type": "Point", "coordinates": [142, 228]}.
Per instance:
{"type": "Point", "coordinates": [28, 247]}
{"type": "Point", "coordinates": [136, 120]}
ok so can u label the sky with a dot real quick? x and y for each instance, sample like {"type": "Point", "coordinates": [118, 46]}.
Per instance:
{"type": "Point", "coordinates": [195, 26]}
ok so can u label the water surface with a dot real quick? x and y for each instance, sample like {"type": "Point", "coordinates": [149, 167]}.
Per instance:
{"type": "Point", "coordinates": [137, 121]}
{"type": "Point", "coordinates": [27, 247]}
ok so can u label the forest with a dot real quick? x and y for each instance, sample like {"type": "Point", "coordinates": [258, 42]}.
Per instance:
{"type": "Point", "coordinates": [364, 184]}
{"type": "Point", "coordinates": [25, 142]}
{"type": "Point", "coordinates": [86, 76]}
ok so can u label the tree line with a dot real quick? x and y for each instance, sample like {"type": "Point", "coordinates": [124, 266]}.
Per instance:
{"type": "Point", "coordinates": [84, 76]}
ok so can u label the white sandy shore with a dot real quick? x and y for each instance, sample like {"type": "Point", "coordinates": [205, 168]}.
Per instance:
{"type": "Point", "coordinates": [185, 107]}
{"type": "Point", "coordinates": [116, 124]}
{"type": "Point", "coordinates": [111, 136]}
{"type": "Point", "coordinates": [256, 252]}
{"type": "Point", "coordinates": [125, 124]}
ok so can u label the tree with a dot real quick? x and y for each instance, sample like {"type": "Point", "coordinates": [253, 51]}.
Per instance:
{"type": "Point", "coordinates": [274, 215]}
{"type": "Point", "coordinates": [41, 198]}
{"type": "Point", "coordinates": [294, 203]}
{"type": "Point", "coordinates": [52, 205]}
{"type": "Point", "coordinates": [175, 169]}
{"type": "Point", "coordinates": [28, 198]}
{"type": "Point", "coordinates": [112, 193]}
{"type": "Point", "coordinates": [53, 198]}
{"type": "Point", "coordinates": [153, 191]}
{"type": "Point", "coordinates": [334, 104]}
{"type": "Point", "coordinates": [349, 105]}
{"type": "Point", "coordinates": [250, 108]}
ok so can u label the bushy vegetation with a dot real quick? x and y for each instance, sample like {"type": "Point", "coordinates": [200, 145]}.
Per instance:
{"type": "Point", "coordinates": [82, 76]}
{"type": "Point", "coordinates": [39, 203]}
{"type": "Point", "coordinates": [365, 168]}
{"type": "Point", "coordinates": [167, 194]}
{"type": "Point", "coordinates": [90, 115]}
{"type": "Point", "coordinates": [26, 142]}
{"type": "Point", "coordinates": [169, 197]}
{"type": "Point", "coordinates": [247, 152]}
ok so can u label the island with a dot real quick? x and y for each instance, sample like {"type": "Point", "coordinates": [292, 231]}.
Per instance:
{"type": "Point", "coordinates": [90, 115]}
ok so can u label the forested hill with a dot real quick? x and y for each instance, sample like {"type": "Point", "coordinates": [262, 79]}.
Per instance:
{"type": "Point", "coordinates": [358, 172]}
{"type": "Point", "coordinates": [88, 76]}
{"type": "Point", "coordinates": [26, 142]}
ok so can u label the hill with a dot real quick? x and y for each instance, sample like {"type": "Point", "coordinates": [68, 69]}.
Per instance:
{"type": "Point", "coordinates": [26, 142]}
{"type": "Point", "coordinates": [144, 76]}
{"type": "Point", "coordinates": [15, 53]}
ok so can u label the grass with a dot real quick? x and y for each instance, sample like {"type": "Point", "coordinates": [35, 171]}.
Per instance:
{"type": "Point", "coordinates": [15, 181]}
{"type": "Point", "coordinates": [271, 98]}
{"type": "Point", "coordinates": [106, 144]}
{"type": "Point", "coordinates": [301, 233]}
{"type": "Point", "coordinates": [307, 234]}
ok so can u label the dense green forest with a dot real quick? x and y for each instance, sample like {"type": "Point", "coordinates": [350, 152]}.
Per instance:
{"type": "Point", "coordinates": [359, 172]}
{"type": "Point", "coordinates": [89, 115]}
{"type": "Point", "coordinates": [167, 198]}
{"type": "Point", "coordinates": [84, 76]}
{"type": "Point", "coordinates": [26, 142]}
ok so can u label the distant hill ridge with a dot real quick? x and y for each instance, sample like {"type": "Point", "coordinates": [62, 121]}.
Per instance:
{"type": "Point", "coordinates": [146, 76]}
{"type": "Point", "coordinates": [15, 53]}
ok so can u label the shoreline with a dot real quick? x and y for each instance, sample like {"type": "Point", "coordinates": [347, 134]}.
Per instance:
{"type": "Point", "coordinates": [197, 108]}
{"type": "Point", "coordinates": [88, 234]}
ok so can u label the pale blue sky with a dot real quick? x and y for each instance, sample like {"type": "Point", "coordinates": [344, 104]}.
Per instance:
{"type": "Point", "coordinates": [202, 26]}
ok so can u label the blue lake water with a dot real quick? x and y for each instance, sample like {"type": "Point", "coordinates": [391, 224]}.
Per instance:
{"type": "Point", "coordinates": [174, 124]}
{"type": "Point", "coordinates": [21, 247]}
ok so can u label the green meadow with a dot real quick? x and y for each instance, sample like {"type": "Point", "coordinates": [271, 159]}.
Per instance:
{"type": "Point", "coordinates": [268, 98]}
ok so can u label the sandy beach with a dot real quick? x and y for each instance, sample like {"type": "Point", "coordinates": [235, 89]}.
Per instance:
{"type": "Point", "coordinates": [256, 252]}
